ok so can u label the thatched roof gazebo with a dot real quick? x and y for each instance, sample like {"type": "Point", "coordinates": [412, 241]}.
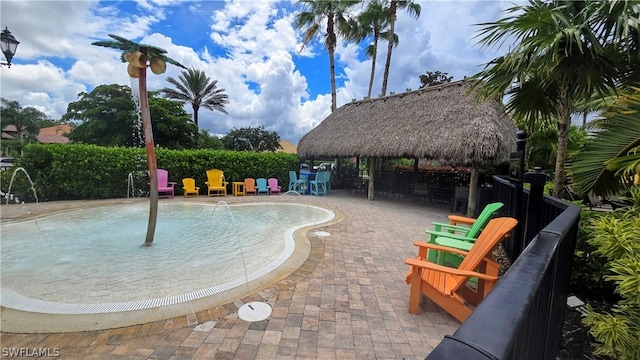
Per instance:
{"type": "Point", "coordinates": [445, 122]}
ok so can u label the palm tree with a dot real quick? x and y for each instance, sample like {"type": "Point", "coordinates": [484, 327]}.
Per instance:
{"type": "Point", "coordinates": [562, 54]}
{"type": "Point", "coordinates": [139, 56]}
{"type": "Point", "coordinates": [24, 119]}
{"type": "Point", "coordinates": [611, 158]}
{"type": "Point", "coordinates": [414, 10]}
{"type": "Point", "coordinates": [312, 18]}
{"type": "Point", "coordinates": [373, 21]}
{"type": "Point", "coordinates": [195, 87]}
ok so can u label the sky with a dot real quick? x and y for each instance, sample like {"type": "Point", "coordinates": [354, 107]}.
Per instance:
{"type": "Point", "coordinates": [249, 46]}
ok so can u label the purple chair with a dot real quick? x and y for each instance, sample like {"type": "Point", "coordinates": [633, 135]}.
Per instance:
{"type": "Point", "coordinates": [273, 186]}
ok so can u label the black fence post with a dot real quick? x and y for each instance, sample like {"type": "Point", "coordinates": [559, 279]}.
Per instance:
{"type": "Point", "coordinates": [516, 176]}
{"type": "Point", "coordinates": [536, 194]}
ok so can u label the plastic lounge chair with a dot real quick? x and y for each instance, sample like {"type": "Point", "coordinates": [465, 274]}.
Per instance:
{"type": "Point", "coordinates": [447, 287]}
{"type": "Point", "coordinates": [216, 186]}
{"type": "Point", "coordinates": [296, 184]}
{"type": "Point", "coordinates": [320, 184]}
{"type": "Point", "coordinates": [165, 187]}
{"type": "Point", "coordinates": [461, 233]}
{"type": "Point", "coordinates": [250, 186]}
{"type": "Point", "coordinates": [261, 183]}
{"type": "Point", "coordinates": [189, 187]}
{"type": "Point", "coordinates": [272, 184]}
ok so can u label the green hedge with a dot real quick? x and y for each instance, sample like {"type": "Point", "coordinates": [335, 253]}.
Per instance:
{"type": "Point", "coordinates": [63, 171]}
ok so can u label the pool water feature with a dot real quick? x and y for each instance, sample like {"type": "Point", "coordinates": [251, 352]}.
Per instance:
{"type": "Point", "coordinates": [90, 261]}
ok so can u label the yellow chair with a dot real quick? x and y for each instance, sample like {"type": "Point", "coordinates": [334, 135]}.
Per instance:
{"type": "Point", "coordinates": [215, 183]}
{"type": "Point", "coordinates": [189, 187]}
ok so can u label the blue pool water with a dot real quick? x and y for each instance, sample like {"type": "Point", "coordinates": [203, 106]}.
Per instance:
{"type": "Point", "coordinates": [94, 256]}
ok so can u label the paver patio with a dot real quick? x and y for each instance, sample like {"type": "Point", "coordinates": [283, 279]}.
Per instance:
{"type": "Point", "coordinates": [347, 301]}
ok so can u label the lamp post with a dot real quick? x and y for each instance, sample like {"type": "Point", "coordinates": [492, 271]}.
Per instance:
{"type": "Point", "coordinates": [9, 45]}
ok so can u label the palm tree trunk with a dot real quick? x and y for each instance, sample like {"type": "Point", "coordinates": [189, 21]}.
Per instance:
{"type": "Point", "coordinates": [151, 156]}
{"type": "Point", "coordinates": [387, 65]}
{"type": "Point", "coordinates": [195, 116]}
{"type": "Point", "coordinates": [376, 35]}
{"type": "Point", "coordinates": [331, 44]}
{"type": "Point", "coordinates": [564, 118]}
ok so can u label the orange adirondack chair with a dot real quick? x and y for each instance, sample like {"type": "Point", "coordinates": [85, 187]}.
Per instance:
{"type": "Point", "coordinates": [446, 286]}
{"type": "Point", "coordinates": [250, 186]}
{"type": "Point", "coordinates": [215, 183]}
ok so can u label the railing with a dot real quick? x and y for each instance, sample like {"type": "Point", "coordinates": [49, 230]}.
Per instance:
{"type": "Point", "coordinates": [522, 317]}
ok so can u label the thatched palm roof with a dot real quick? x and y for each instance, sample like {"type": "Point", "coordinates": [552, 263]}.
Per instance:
{"type": "Point", "coordinates": [444, 122]}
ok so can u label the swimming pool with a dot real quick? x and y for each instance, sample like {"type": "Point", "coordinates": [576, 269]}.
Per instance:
{"type": "Point", "coordinates": [91, 260]}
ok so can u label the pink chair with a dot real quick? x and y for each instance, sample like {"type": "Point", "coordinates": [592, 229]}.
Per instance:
{"type": "Point", "coordinates": [273, 186]}
{"type": "Point", "coordinates": [165, 187]}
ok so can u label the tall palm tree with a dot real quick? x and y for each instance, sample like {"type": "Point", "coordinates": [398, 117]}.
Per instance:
{"type": "Point", "coordinates": [139, 56]}
{"type": "Point", "coordinates": [196, 88]}
{"type": "Point", "coordinates": [561, 54]}
{"type": "Point", "coordinates": [314, 14]}
{"type": "Point", "coordinates": [414, 10]}
{"type": "Point", "coordinates": [373, 21]}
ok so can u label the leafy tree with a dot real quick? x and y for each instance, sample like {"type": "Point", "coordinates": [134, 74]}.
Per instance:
{"type": "Point", "coordinates": [432, 78]}
{"type": "Point", "coordinates": [172, 124]}
{"type": "Point", "coordinates": [196, 88]}
{"type": "Point", "coordinates": [563, 52]}
{"type": "Point", "coordinates": [208, 141]}
{"type": "Point", "coordinates": [312, 17]}
{"type": "Point", "coordinates": [25, 119]}
{"type": "Point", "coordinates": [374, 22]}
{"type": "Point", "coordinates": [251, 139]}
{"type": "Point", "coordinates": [414, 10]}
{"type": "Point", "coordinates": [108, 116]}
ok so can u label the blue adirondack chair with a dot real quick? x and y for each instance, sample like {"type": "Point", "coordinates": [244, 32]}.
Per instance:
{"type": "Point", "coordinates": [261, 184]}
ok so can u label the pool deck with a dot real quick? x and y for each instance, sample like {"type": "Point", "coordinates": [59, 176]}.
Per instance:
{"type": "Point", "coordinates": [348, 299]}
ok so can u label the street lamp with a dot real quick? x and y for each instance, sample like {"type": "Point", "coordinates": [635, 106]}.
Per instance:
{"type": "Point", "coordinates": [9, 45]}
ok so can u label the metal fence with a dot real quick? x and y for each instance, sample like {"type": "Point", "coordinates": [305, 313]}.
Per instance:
{"type": "Point", "coordinates": [522, 317]}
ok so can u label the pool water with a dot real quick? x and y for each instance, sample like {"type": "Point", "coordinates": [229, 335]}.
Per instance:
{"type": "Point", "coordinates": [94, 256]}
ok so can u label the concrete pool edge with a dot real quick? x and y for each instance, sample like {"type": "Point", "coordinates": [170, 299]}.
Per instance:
{"type": "Point", "coordinates": [17, 321]}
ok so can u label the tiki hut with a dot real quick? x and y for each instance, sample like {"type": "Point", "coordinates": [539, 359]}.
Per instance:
{"type": "Point", "coordinates": [446, 123]}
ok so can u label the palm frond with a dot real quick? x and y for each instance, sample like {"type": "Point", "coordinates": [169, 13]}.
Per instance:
{"type": "Point", "coordinates": [610, 152]}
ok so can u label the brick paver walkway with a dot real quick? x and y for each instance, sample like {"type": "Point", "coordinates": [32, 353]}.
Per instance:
{"type": "Point", "coordinates": [347, 301]}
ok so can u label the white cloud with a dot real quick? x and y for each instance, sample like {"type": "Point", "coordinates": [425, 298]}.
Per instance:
{"type": "Point", "coordinates": [260, 68]}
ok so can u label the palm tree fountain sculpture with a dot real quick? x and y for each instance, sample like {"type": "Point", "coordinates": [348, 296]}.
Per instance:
{"type": "Point", "coordinates": [139, 56]}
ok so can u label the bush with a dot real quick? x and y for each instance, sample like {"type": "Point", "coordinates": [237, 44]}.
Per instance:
{"type": "Point", "coordinates": [615, 236]}
{"type": "Point", "coordinates": [589, 268]}
{"type": "Point", "coordinates": [63, 171]}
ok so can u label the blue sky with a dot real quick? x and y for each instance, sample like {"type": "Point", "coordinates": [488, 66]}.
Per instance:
{"type": "Point", "coordinates": [249, 46]}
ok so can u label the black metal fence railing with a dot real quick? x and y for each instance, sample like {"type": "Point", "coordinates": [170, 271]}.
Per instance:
{"type": "Point", "coordinates": [522, 317]}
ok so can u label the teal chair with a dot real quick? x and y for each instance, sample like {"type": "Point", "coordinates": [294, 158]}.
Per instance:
{"type": "Point", "coordinates": [261, 185]}
{"type": "Point", "coordinates": [320, 185]}
{"type": "Point", "coordinates": [442, 233]}
{"type": "Point", "coordinates": [296, 184]}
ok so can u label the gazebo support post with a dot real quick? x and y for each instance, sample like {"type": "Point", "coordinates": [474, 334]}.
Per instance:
{"type": "Point", "coordinates": [415, 171]}
{"type": "Point", "coordinates": [473, 188]}
{"type": "Point", "coordinates": [372, 171]}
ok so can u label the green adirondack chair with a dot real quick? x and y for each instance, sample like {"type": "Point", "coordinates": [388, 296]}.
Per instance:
{"type": "Point", "coordinates": [468, 234]}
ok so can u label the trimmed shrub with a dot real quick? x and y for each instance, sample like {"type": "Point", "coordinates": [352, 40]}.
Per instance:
{"type": "Point", "coordinates": [78, 171]}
